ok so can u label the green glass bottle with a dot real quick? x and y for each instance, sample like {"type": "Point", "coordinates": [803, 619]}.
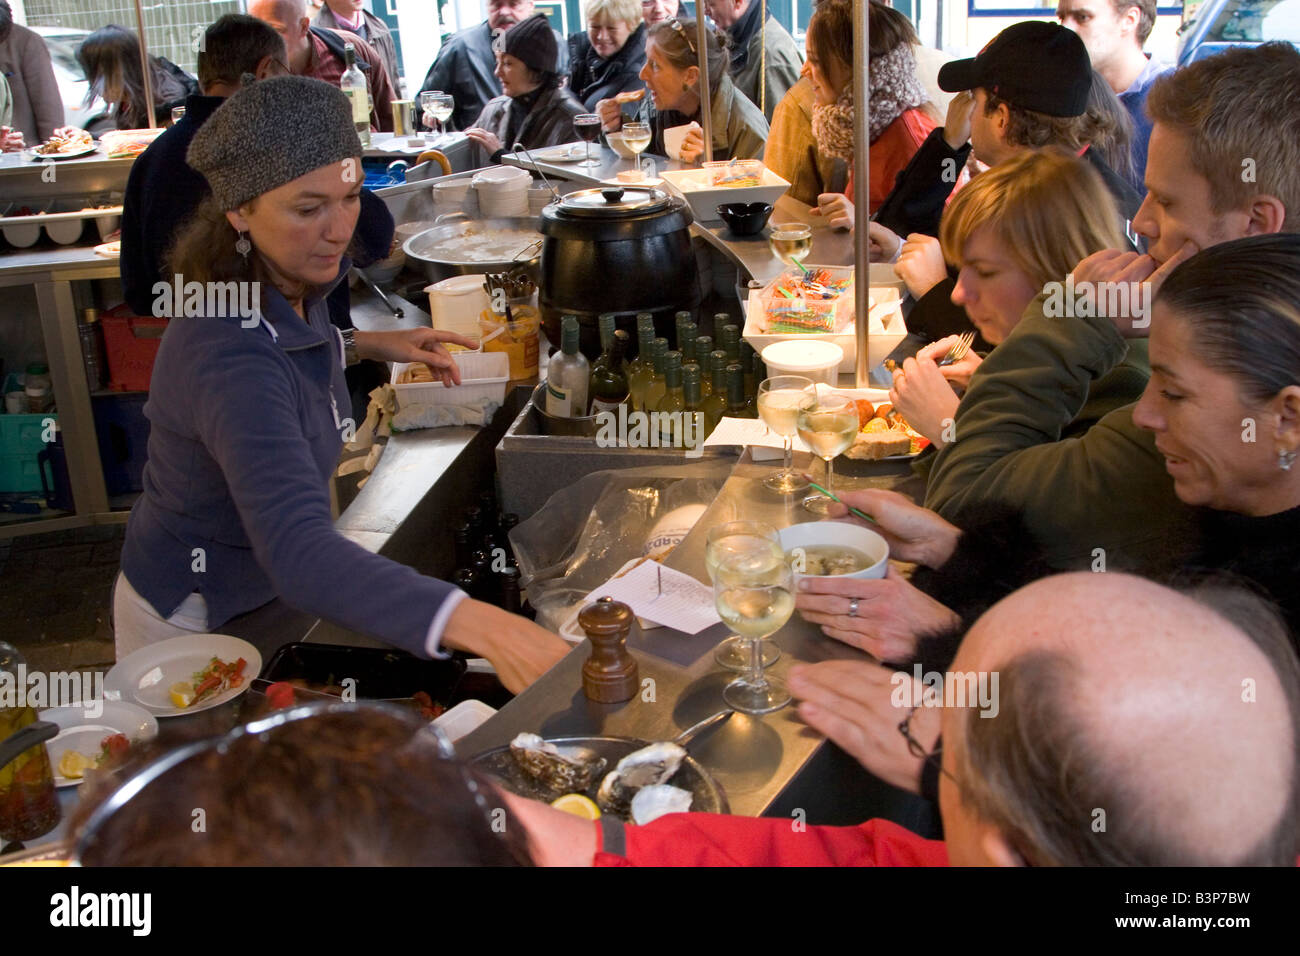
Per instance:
{"type": "Point", "coordinates": [715, 405]}
{"type": "Point", "coordinates": [689, 331]}
{"type": "Point", "coordinates": [609, 387]}
{"type": "Point", "coordinates": [655, 390]}
{"type": "Point", "coordinates": [605, 323]}
{"type": "Point", "coordinates": [720, 321]}
{"type": "Point", "coordinates": [674, 400]}
{"type": "Point", "coordinates": [731, 343]}
{"type": "Point", "coordinates": [679, 323]}
{"type": "Point", "coordinates": [737, 407]}
{"type": "Point", "coordinates": [693, 414]}
{"type": "Point", "coordinates": [703, 346]}
{"type": "Point", "coordinates": [747, 355]}
{"type": "Point", "coordinates": [641, 368]}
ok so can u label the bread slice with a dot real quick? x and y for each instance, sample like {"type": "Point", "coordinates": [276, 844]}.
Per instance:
{"type": "Point", "coordinates": [873, 446]}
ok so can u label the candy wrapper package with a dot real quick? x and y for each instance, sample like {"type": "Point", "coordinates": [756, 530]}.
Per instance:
{"type": "Point", "coordinates": [818, 302]}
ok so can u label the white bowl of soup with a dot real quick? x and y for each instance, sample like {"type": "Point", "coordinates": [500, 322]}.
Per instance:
{"type": "Point", "coordinates": [834, 549]}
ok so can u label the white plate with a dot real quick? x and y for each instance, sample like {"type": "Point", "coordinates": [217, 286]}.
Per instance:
{"type": "Point", "coordinates": [569, 153]}
{"type": "Point", "coordinates": [143, 677]}
{"type": "Point", "coordinates": [82, 733]}
{"type": "Point", "coordinates": [42, 157]}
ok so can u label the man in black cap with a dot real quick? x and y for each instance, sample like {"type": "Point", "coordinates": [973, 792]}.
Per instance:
{"type": "Point", "coordinates": [534, 108]}
{"type": "Point", "coordinates": [1027, 89]}
{"type": "Point", "coordinates": [466, 65]}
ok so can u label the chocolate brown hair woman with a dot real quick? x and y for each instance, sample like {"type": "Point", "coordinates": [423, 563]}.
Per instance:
{"type": "Point", "coordinates": [248, 411]}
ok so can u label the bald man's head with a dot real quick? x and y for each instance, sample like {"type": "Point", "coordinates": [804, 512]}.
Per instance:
{"type": "Point", "coordinates": [289, 19]}
{"type": "Point", "coordinates": [1136, 726]}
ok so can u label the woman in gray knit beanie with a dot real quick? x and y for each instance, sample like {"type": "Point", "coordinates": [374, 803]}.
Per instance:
{"type": "Point", "coordinates": [247, 406]}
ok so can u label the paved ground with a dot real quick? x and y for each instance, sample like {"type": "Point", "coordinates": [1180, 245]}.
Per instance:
{"type": "Point", "coordinates": [55, 594]}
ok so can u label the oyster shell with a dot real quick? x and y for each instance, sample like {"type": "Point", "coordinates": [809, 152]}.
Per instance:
{"type": "Point", "coordinates": [646, 767]}
{"type": "Point", "coordinates": [659, 799]}
{"type": "Point", "coordinates": [566, 769]}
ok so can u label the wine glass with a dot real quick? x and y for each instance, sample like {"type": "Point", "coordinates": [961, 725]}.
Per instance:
{"type": "Point", "coordinates": [779, 400]}
{"type": "Point", "coordinates": [755, 603]}
{"type": "Point", "coordinates": [749, 547]}
{"type": "Point", "coordinates": [829, 428]}
{"type": "Point", "coordinates": [636, 136]}
{"type": "Point", "coordinates": [587, 126]}
{"type": "Point", "coordinates": [439, 105]}
{"type": "Point", "coordinates": [791, 242]}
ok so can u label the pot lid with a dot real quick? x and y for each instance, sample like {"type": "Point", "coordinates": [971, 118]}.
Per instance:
{"type": "Point", "coordinates": [615, 202]}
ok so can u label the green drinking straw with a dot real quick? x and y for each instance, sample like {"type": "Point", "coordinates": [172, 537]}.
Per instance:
{"type": "Point", "coordinates": [852, 510]}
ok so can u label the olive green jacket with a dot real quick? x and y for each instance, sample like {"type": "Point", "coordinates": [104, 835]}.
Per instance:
{"type": "Point", "coordinates": [1106, 489]}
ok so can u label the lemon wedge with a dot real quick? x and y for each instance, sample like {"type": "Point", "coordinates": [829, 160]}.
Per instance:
{"type": "Point", "coordinates": [182, 694]}
{"type": "Point", "coordinates": [74, 764]}
{"type": "Point", "coordinates": [578, 805]}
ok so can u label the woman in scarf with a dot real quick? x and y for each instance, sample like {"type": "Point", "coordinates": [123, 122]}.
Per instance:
{"type": "Point", "coordinates": [900, 114]}
{"type": "Point", "coordinates": [605, 59]}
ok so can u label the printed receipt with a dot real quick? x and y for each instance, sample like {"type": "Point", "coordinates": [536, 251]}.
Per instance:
{"type": "Point", "coordinates": [664, 596]}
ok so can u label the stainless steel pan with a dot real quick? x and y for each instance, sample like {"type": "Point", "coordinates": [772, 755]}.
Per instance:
{"type": "Point", "coordinates": [437, 269]}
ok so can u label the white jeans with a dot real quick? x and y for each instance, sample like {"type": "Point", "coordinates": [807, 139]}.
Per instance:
{"type": "Point", "coordinates": [136, 624]}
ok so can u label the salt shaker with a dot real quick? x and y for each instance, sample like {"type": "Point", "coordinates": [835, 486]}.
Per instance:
{"type": "Point", "coordinates": [609, 675]}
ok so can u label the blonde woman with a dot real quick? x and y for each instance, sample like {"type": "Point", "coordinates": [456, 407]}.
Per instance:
{"type": "Point", "coordinates": [605, 59]}
{"type": "Point", "coordinates": [1017, 227]}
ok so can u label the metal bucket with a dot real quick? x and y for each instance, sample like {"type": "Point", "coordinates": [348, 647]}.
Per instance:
{"type": "Point", "coordinates": [584, 427]}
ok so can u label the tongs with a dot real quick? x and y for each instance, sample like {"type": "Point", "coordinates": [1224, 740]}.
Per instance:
{"type": "Point", "coordinates": [397, 311]}
{"type": "Point", "coordinates": [520, 147]}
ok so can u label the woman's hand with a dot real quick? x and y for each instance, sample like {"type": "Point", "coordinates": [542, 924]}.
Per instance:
{"type": "Point", "coordinates": [610, 112]}
{"type": "Point", "coordinates": [956, 128]}
{"type": "Point", "coordinates": [693, 144]}
{"type": "Point", "coordinates": [889, 615]}
{"type": "Point", "coordinates": [415, 345]}
{"type": "Point", "coordinates": [11, 140]}
{"type": "Point", "coordinates": [959, 372]}
{"type": "Point", "coordinates": [520, 651]}
{"type": "Point", "coordinates": [885, 245]}
{"type": "Point", "coordinates": [852, 703]}
{"type": "Point", "coordinates": [489, 141]}
{"type": "Point", "coordinates": [920, 264]}
{"type": "Point", "coordinates": [923, 396]}
{"type": "Point", "coordinates": [836, 209]}
{"type": "Point", "coordinates": [914, 533]}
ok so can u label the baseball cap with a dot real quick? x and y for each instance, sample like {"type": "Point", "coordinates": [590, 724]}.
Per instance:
{"type": "Point", "coordinates": [1034, 65]}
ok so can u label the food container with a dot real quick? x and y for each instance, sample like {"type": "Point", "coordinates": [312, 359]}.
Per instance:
{"type": "Point", "coordinates": [838, 534]}
{"type": "Point", "coordinates": [736, 174]}
{"type": "Point", "coordinates": [697, 187]}
{"type": "Point", "coordinates": [517, 339]}
{"type": "Point", "coordinates": [617, 249]}
{"type": "Point", "coordinates": [440, 254]}
{"type": "Point", "coordinates": [819, 361]}
{"type": "Point", "coordinates": [455, 304]}
{"type": "Point", "coordinates": [483, 375]}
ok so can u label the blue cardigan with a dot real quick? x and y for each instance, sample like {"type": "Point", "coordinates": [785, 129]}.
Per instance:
{"type": "Point", "coordinates": [245, 430]}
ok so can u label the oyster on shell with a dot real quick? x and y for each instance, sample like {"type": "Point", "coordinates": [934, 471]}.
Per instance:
{"type": "Point", "coordinates": [646, 767]}
{"type": "Point", "coordinates": [565, 769]}
{"type": "Point", "coordinates": [657, 800]}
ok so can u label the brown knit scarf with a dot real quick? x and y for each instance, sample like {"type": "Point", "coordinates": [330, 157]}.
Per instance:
{"type": "Point", "coordinates": [894, 90]}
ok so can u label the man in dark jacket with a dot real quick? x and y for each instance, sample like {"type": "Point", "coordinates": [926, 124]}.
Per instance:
{"type": "Point", "coordinates": [162, 192]}
{"type": "Point", "coordinates": [465, 64]}
{"type": "Point", "coordinates": [351, 16]}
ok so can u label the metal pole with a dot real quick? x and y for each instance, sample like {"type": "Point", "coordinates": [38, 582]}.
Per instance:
{"type": "Point", "coordinates": [706, 99]}
{"type": "Point", "coordinates": [861, 194]}
{"type": "Point", "coordinates": [145, 72]}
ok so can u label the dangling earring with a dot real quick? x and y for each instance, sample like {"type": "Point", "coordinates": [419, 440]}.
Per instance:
{"type": "Point", "coordinates": [1285, 459]}
{"type": "Point", "coordinates": [242, 245]}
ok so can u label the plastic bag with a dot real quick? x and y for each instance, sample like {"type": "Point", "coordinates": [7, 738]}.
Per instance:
{"type": "Point", "coordinates": [572, 546]}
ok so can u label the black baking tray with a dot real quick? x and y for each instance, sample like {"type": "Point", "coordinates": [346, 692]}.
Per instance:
{"type": "Point", "coordinates": [382, 674]}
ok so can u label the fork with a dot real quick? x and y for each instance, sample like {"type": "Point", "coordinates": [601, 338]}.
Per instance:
{"type": "Point", "coordinates": [958, 350]}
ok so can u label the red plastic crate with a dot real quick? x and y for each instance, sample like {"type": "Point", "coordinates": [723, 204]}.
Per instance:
{"type": "Point", "coordinates": [131, 342]}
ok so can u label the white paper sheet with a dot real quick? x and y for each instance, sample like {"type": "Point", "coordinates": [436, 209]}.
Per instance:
{"type": "Point", "coordinates": [664, 596]}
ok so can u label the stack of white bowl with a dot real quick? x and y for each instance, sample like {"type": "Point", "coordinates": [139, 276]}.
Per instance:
{"type": "Point", "coordinates": [503, 192]}
{"type": "Point", "coordinates": [450, 195]}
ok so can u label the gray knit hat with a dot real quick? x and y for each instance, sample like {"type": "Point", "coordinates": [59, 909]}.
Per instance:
{"type": "Point", "coordinates": [270, 133]}
{"type": "Point", "coordinates": [532, 42]}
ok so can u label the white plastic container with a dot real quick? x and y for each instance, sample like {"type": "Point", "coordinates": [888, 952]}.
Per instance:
{"type": "Point", "coordinates": [819, 361]}
{"type": "Point", "coordinates": [483, 375]}
{"type": "Point", "coordinates": [465, 717]}
{"type": "Point", "coordinates": [456, 303]}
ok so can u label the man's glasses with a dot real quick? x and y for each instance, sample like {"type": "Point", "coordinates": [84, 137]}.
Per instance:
{"type": "Point", "coordinates": [677, 25]}
{"type": "Point", "coordinates": [916, 749]}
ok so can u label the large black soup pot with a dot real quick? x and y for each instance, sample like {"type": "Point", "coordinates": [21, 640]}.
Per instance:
{"type": "Point", "coordinates": [617, 249]}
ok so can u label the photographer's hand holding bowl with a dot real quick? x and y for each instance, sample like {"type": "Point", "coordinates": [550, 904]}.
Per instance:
{"type": "Point", "coordinates": [248, 411]}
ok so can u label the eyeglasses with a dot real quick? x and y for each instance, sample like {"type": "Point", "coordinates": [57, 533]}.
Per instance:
{"type": "Point", "coordinates": [677, 25]}
{"type": "Point", "coordinates": [916, 749]}
{"type": "Point", "coordinates": [423, 735]}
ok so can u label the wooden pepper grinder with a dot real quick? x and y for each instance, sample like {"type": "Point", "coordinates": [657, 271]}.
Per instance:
{"type": "Point", "coordinates": [610, 674]}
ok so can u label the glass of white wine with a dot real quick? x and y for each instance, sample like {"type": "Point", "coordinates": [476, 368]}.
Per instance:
{"type": "Point", "coordinates": [779, 400]}
{"type": "Point", "coordinates": [750, 547]}
{"type": "Point", "coordinates": [439, 105]}
{"type": "Point", "coordinates": [829, 428]}
{"type": "Point", "coordinates": [636, 136]}
{"type": "Point", "coordinates": [791, 242]}
{"type": "Point", "coordinates": [755, 604]}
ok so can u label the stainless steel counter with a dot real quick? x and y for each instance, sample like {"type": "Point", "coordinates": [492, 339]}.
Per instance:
{"type": "Point", "coordinates": [767, 765]}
